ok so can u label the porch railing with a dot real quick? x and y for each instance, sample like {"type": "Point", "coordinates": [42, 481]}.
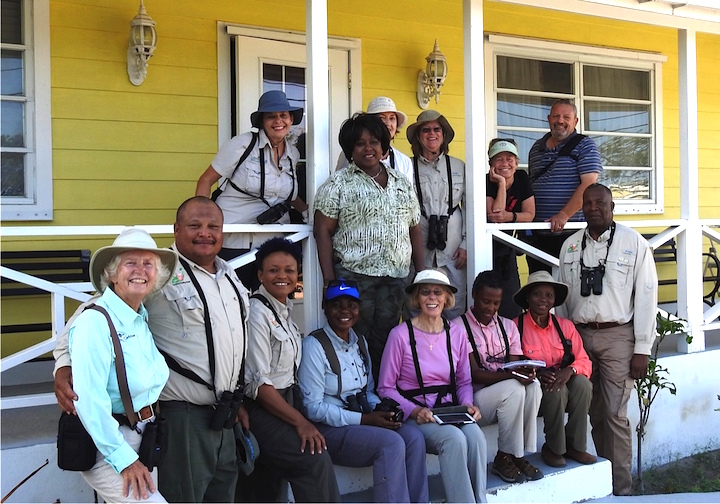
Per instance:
{"type": "Point", "coordinates": [311, 276]}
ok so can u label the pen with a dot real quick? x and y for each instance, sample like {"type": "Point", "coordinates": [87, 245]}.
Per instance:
{"type": "Point", "coordinates": [519, 375]}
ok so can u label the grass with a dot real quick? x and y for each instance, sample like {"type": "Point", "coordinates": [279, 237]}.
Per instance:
{"type": "Point", "coordinates": [699, 473]}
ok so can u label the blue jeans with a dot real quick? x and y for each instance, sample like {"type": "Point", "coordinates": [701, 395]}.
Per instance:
{"type": "Point", "coordinates": [397, 458]}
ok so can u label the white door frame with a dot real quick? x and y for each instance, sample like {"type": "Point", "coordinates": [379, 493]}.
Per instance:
{"type": "Point", "coordinates": [227, 30]}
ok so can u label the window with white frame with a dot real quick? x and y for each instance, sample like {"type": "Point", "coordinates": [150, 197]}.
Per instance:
{"type": "Point", "coordinates": [618, 100]}
{"type": "Point", "coordinates": [25, 136]}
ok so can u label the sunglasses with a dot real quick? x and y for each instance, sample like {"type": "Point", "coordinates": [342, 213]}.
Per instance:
{"type": "Point", "coordinates": [428, 129]}
{"type": "Point", "coordinates": [426, 292]}
{"type": "Point", "coordinates": [509, 140]}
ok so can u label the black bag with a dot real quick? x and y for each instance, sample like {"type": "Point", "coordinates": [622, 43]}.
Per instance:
{"type": "Point", "coordinates": [76, 449]}
{"type": "Point", "coordinates": [152, 446]}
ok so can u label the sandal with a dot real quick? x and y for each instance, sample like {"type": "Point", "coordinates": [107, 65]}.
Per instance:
{"type": "Point", "coordinates": [531, 472]}
{"type": "Point", "coordinates": [504, 467]}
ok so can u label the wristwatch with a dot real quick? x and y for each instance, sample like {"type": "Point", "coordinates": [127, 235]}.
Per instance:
{"type": "Point", "coordinates": [573, 370]}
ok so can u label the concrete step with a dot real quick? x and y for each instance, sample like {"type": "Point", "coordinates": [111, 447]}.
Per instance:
{"type": "Point", "coordinates": [573, 483]}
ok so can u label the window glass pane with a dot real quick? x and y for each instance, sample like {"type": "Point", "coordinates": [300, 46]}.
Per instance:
{"type": "Point", "coordinates": [295, 86]}
{"type": "Point", "coordinates": [272, 77]}
{"type": "Point", "coordinates": [11, 29]}
{"type": "Point", "coordinates": [11, 81]}
{"type": "Point", "coordinates": [627, 184]}
{"type": "Point", "coordinates": [524, 111]}
{"type": "Point", "coordinates": [524, 140]}
{"type": "Point", "coordinates": [624, 151]}
{"type": "Point", "coordinates": [12, 124]}
{"type": "Point", "coordinates": [13, 174]}
{"type": "Point", "coordinates": [617, 117]}
{"type": "Point", "coordinates": [616, 83]}
{"type": "Point", "coordinates": [534, 75]}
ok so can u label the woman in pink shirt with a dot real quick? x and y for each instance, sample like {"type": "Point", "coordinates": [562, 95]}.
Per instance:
{"type": "Point", "coordinates": [566, 379]}
{"type": "Point", "coordinates": [425, 366]}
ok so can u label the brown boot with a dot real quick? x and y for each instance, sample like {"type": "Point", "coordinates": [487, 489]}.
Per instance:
{"type": "Point", "coordinates": [551, 458]}
{"type": "Point", "coordinates": [580, 456]}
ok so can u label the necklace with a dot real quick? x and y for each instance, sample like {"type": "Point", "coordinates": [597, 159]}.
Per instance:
{"type": "Point", "coordinates": [431, 343]}
{"type": "Point", "coordinates": [377, 174]}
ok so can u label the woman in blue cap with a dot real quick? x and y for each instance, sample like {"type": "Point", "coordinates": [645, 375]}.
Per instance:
{"type": "Point", "coordinates": [338, 396]}
{"type": "Point", "coordinates": [259, 172]}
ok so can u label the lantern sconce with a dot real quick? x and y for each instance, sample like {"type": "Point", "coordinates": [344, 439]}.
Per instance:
{"type": "Point", "coordinates": [143, 40]}
{"type": "Point", "coordinates": [432, 78]}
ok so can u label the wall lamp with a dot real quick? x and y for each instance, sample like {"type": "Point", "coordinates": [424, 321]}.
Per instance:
{"type": "Point", "coordinates": [143, 40]}
{"type": "Point", "coordinates": [432, 78]}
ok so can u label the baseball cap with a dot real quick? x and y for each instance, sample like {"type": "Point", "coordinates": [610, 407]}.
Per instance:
{"type": "Point", "coordinates": [341, 287]}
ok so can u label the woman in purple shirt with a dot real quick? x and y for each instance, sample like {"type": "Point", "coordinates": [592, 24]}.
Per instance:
{"type": "Point", "coordinates": [425, 366]}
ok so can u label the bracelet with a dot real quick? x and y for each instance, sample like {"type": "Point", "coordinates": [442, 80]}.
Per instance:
{"type": "Point", "coordinates": [514, 219]}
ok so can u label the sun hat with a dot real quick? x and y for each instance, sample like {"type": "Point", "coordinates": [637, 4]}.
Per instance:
{"type": "Point", "coordinates": [502, 146]}
{"type": "Point", "coordinates": [341, 287]}
{"type": "Point", "coordinates": [541, 277]}
{"type": "Point", "coordinates": [129, 239]}
{"type": "Point", "coordinates": [385, 104]}
{"type": "Point", "coordinates": [246, 448]}
{"type": "Point", "coordinates": [274, 101]}
{"type": "Point", "coordinates": [427, 116]}
{"type": "Point", "coordinates": [431, 276]}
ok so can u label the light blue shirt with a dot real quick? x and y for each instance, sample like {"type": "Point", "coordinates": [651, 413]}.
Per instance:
{"type": "Point", "coordinates": [95, 378]}
{"type": "Point", "coordinates": [319, 384]}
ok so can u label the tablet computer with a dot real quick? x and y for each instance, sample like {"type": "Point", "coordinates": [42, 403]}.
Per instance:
{"type": "Point", "coordinates": [453, 418]}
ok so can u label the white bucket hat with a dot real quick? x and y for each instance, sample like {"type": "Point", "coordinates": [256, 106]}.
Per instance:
{"type": "Point", "coordinates": [385, 104]}
{"type": "Point", "coordinates": [130, 239]}
{"type": "Point", "coordinates": [541, 277]}
{"type": "Point", "coordinates": [431, 276]}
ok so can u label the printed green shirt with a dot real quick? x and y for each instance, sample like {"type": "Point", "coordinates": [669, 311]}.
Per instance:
{"type": "Point", "coordinates": [372, 236]}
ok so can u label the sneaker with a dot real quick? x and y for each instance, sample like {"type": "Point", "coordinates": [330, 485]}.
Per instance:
{"type": "Point", "coordinates": [531, 472]}
{"type": "Point", "coordinates": [504, 467]}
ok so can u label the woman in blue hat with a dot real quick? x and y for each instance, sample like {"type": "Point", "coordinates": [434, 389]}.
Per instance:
{"type": "Point", "coordinates": [338, 395]}
{"type": "Point", "coordinates": [259, 172]}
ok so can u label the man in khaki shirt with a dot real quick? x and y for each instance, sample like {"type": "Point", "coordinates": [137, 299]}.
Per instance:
{"type": "Point", "coordinates": [200, 464]}
{"type": "Point", "coordinates": [613, 302]}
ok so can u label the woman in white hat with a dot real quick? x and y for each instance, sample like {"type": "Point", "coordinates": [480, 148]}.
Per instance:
{"type": "Point", "coordinates": [440, 187]}
{"type": "Point", "coordinates": [425, 366]}
{"type": "Point", "coordinates": [393, 119]}
{"type": "Point", "coordinates": [509, 198]}
{"type": "Point", "coordinates": [126, 272]}
{"type": "Point", "coordinates": [259, 171]}
{"type": "Point", "coordinates": [566, 379]}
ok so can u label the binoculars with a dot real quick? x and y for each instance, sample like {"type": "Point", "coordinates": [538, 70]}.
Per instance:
{"type": "Point", "coordinates": [358, 402]}
{"type": "Point", "coordinates": [226, 409]}
{"type": "Point", "coordinates": [274, 213]}
{"type": "Point", "coordinates": [591, 280]}
{"type": "Point", "coordinates": [387, 404]}
{"type": "Point", "coordinates": [437, 232]}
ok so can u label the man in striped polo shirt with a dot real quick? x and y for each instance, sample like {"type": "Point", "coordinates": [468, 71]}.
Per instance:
{"type": "Point", "coordinates": [561, 165]}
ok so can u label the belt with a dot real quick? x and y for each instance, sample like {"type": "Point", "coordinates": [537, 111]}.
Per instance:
{"type": "Point", "coordinates": [183, 405]}
{"type": "Point", "coordinates": [600, 325]}
{"type": "Point", "coordinates": [146, 413]}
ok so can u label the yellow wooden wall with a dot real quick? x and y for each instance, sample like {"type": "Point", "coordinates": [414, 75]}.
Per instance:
{"type": "Point", "coordinates": [129, 155]}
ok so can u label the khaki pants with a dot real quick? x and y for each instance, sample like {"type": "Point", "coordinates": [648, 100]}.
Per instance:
{"type": "Point", "coordinates": [574, 398]}
{"type": "Point", "coordinates": [611, 351]}
{"type": "Point", "coordinates": [514, 407]}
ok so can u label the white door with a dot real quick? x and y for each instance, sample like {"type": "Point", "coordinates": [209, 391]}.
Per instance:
{"type": "Point", "coordinates": [264, 65]}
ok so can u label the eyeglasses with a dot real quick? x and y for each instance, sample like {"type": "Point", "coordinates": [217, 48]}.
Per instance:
{"type": "Point", "coordinates": [428, 129]}
{"type": "Point", "coordinates": [509, 140]}
{"type": "Point", "coordinates": [427, 292]}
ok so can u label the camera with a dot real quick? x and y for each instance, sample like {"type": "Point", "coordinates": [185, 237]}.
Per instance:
{"type": "Point", "coordinates": [387, 404]}
{"type": "Point", "coordinates": [358, 402]}
{"type": "Point", "coordinates": [226, 409]}
{"type": "Point", "coordinates": [274, 213]}
{"type": "Point", "coordinates": [591, 280]}
{"type": "Point", "coordinates": [437, 232]}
